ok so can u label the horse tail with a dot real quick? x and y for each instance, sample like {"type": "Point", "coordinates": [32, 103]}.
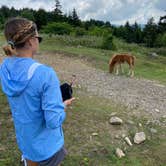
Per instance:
{"type": "Point", "coordinates": [112, 64]}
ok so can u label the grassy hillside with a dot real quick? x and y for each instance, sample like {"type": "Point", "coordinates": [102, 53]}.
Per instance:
{"type": "Point", "coordinates": [146, 67]}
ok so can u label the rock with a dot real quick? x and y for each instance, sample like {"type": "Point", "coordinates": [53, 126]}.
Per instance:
{"type": "Point", "coordinates": [117, 136]}
{"type": "Point", "coordinates": [119, 153]}
{"type": "Point", "coordinates": [95, 134]}
{"type": "Point", "coordinates": [153, 55]}
{"type": "Point", "coordinates": [130, 122]}
{"type": "Point", "coordinates": [140, 125]}
{"type": "Point", "coordinates": [157, 110]}
{"type": "Point", "coordinates": [152, 130]}
{"type": "Point", "coordinates": [139, 137]}
{"type": "Point", "coordinates": [116, 121]}
{"type": "Point", "coordinates": [128, 141]}
{"type": "Point", "coordinates": [123, 135]}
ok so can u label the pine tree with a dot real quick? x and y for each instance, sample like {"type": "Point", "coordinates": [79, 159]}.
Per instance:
{"type": "Point", "coordinates": [58, 15]}
{"type": "Point", "coordinates": [150, 32]}
{"type": "Point", "coordinates": [40, 18]}
{"type": "Point", "coordinates": [75, 19]}
{"type": "Point", "coordinates": [162, 24]}
{"type": "Point", "coordinates": [137, 33]}
{"type": "Point", "coordinates": [128, 32]}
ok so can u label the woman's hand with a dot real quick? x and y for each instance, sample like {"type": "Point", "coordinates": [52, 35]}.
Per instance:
{"type": "Point", "coordinates": [69, 101]}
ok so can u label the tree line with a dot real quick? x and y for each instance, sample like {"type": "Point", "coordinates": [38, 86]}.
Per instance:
{"type": "Point", "coordinates": [56, 22]}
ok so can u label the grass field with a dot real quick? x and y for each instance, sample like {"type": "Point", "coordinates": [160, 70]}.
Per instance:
{"type": "Point", "coordinates": [90, 114]}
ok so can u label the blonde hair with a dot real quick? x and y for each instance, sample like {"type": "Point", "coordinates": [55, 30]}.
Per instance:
{"type": "Point", "coordinates": [17, 31]}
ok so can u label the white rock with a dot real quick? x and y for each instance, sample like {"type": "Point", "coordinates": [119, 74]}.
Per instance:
{"type": "Point", "coordinates": [152, 130]}
{"type": "Point", "coordinates": [139, 137]}
{"type": "Point", "coordinates": [123, 135]}
{"type": "Point", "coordinates": [140, 125]}
{"type": "Point", "coordinates": [95, 134]}
{"type": "Point", "coordinates": [128, 141]}
{"type": "Point", "coordinates": [117, 136]}
{"type": "Point", "coordinates": [157, 110]}
{"type": "Point", "coordinates": [116, 121]}
{"type": "Point", "coordinates": [119, 153]}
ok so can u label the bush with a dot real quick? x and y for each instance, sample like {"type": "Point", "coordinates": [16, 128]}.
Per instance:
{"type": "Point", "coordinates": [95, 31]}
{"type": "Point", "coordinates": [108, 43]}
{"type": "Point", "coordinates": [99, 31]}
{"type": "Point", "coordinates": [161, 40]}
{"type": "Point", "coordinates": [57, 28]}
{"type": "Point", "coordinates": [79, 31]}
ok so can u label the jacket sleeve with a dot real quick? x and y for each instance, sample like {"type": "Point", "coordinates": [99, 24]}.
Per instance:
{"type": "Point", "coordinates": [52, 103]}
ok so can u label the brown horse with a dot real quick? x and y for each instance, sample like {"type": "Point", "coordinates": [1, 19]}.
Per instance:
{"type": "Point", "coordinates": [116, 61]}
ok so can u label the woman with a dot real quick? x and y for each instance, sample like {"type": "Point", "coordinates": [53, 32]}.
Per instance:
{"type": "Point", "coordinates": [34, 96]}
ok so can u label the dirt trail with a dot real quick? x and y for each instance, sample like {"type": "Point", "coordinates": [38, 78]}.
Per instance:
{"type": "Point", "coordinates": [136, 94]}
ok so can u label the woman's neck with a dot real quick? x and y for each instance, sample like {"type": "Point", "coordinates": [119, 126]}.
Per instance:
{"type": "Point", "coordinates": [24, 53]}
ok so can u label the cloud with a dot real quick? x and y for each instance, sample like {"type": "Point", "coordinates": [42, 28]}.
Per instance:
{"type": "Point", "coordinates": [115, 11]}
{"type": "Point", "coordinates": [161, 5]}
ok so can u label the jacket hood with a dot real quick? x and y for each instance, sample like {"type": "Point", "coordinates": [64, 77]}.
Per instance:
{"type": "Point", "coordinates": [15, 74]}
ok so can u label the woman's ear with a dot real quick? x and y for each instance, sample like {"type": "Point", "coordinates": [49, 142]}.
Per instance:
{"type": "Point", "coordinates": [30, 42]}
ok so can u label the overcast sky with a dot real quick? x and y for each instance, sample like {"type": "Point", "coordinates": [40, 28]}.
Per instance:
{"type": "Point", "coordinates": [115, 11]}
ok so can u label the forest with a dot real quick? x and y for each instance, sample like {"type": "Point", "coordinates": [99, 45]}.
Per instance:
{"type": "Point", "coordinates": [56, 22]}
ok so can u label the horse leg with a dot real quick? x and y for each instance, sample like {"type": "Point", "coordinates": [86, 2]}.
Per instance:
{"type": "Point", "coordinates": [130, 67]}
{"type": "Point", "coordinates": [117, 69]}
{"type": "Point", "coordinates": [132, 71]}
{"type": "Point", "coordinates": [129, 70]}
{"type": "Point", "coordinates": [121, 69]}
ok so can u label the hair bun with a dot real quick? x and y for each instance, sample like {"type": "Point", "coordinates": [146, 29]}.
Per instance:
{"type": "Point", "coordinates": [9, 51]}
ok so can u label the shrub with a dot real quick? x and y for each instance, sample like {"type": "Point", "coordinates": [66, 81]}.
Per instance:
{"type": "Point", "coordinates": [99, 31]}
{"type": "Point", "coordinates": [57, 28]}
{"type": "Point", "coordinates": [79, 31]}
{"type": "Point", "coordinates": [161, 40]}
{"type": "Point", "coordinates": [108, 43]}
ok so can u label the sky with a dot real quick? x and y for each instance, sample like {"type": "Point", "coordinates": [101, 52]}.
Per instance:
{"type": "Point", "coordinates": [114, 11]}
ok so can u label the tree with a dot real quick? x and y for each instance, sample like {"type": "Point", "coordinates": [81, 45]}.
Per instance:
{"type": "Point", "coordinates": [27, 13]}
{"type": "Point", "coordinates": [107, 24]}
{"type": "Point", "coordinates": [128, 32]}
{"type": "Point", "coordinates": [58, 15]}
{"type": "Point", "coordinates": [40, 18]}
{"type": "Point", "coordinates": [137, 33]}
{"type": "Point", "coordinates": [162, 24]}
{"type": "Point", "coordinates": [5, 11]}
{"type": "Point", "coordinates": [150, 32]}
{"type": "Point", "coordinates": [75, 19]}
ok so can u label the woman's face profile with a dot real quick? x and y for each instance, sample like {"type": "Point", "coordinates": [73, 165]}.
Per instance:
{"type": "Point", "coordinates": [34, 43]}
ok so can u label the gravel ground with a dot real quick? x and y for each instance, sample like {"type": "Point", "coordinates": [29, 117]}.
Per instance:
{"type": "Point", "coordinates": [136, 94]}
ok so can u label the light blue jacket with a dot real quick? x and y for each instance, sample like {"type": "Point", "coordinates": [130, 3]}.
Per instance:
{"type": "Point", "coordinates": [34, 96]}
